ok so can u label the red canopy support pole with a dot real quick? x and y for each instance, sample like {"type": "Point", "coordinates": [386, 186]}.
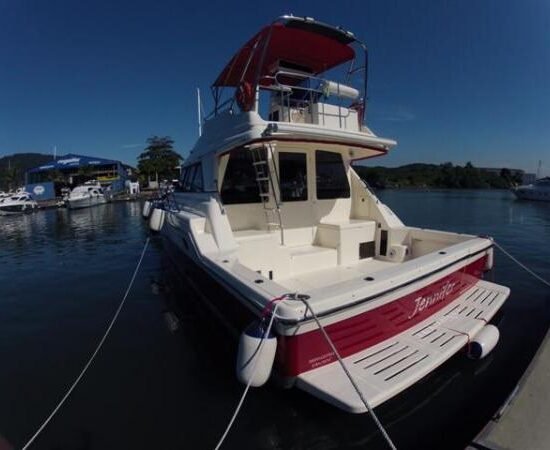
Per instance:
{"type": "Point", "coordinates": [261, 63]}
{"type": "Point", "coordinates": [366, 84]}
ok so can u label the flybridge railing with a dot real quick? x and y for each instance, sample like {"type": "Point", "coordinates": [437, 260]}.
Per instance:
{"type": "Point", "coordinates": [291, 102]}
{"type": "Point", "coordinates": [300, 97]}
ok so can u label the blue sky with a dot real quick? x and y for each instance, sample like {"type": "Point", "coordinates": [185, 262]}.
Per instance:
{"type": "Point", "coordinates": [464, 80]}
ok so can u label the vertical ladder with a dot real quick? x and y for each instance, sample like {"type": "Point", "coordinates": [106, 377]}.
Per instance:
{"type": "Point", "coordinates": [268, 185]}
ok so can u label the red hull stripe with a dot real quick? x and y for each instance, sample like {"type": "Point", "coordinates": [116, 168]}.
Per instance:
{"type": "Point", "coordinates": [302, 352]}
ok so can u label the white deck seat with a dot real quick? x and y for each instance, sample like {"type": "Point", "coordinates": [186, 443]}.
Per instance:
{"type": "Point", "coordinates": [308, 258]}
{"type": "Point", "coordinates": [346, 237]}
{"type": "Point", "coordinates": [260, 251]}
{"type": "Point", "coordinates": [299, 236]}
{"type": "Point", "coordinates": [253, 234]}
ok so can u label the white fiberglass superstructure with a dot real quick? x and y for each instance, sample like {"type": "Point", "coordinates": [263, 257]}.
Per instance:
{"type": "Point", "coordinates": [86, 195]}
{"type": "Point", "coordinates": [19, 203]}
{"type": "Point", "coordinates": [271, 209]}
{"type": "Point", "coordinates": [539, 190]}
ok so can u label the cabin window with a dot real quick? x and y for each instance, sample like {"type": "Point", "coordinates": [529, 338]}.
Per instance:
{"type": "Point", "coordinates": [196, 183]}
{"type": "Point", "coordinates": [293, 176]}
{"type": "Point", "coordinates": [188, 178]}
{"type": "Point", "coordinates": [183, 176]}
{"type": "Point", "coordinates": [239, 182]}
{"type": "Point", "coordinates": [191, 179]}
{"type": "Point", "coordinates": [332, 181]}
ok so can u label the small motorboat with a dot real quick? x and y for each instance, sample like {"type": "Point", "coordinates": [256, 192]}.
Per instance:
{"type": "Point", "coordinates": [539, 190]}
{"type": "Point", "coordinates": [270, 209]}
{"type": "Point", "coordinates": [19, 203]}
{"type": "Point", "coordinates": [86, 195]}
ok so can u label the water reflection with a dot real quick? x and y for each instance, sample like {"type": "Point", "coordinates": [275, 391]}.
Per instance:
{"type": "Point", "coordinates": [63, 274]}
{"type": "Point", "coordinates": [277, 418]}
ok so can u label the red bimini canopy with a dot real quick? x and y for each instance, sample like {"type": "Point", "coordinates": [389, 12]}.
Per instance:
{"type": "Point", "coordinates": [298, 44]}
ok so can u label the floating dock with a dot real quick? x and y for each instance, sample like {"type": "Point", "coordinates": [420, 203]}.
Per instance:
{"type": "Point", "coordinates": [523, 422]}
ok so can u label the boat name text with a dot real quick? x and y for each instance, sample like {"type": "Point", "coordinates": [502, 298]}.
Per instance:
{"type": "Point", "coordinates": [421, 303]}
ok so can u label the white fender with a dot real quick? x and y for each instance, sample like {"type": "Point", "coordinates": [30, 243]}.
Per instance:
{"type": "Point", "coordinates": [157, 219]}
{"type": "Point", "coordinates": [254, 363]}
{"type": "Point", "coordinates": [489, 260]}
{"type": "Point", "coordinates": [483, 342]}
{"type": "Point", "coordinates": [146, 209]}
{"type": "Point", "coordinates": [340, 90]}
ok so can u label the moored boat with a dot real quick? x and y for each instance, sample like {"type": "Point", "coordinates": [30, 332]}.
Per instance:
{"type": "Point", "coordinates": [270, 208]}
{"type": "Point", "coordinates": [539, 190]}
{"type": "Point", "coordinates": [86, 195]}
{"type": "Point", "coordinates": [19, 203]}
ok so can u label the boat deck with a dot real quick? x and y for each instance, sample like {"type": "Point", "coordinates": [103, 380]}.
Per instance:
{"type": "Point", "coordinates": [326, 277]}
{"type": "Point", "coordinates": [386, 369]}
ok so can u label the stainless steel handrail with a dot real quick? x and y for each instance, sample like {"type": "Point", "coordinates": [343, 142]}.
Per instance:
{"type": "Point", "coordinates": [286, 90]}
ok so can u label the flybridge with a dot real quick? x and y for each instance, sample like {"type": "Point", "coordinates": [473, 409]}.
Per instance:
{"type": "Point", "coordinates": [292, 42]}
{"type": "Point", "coordinates": [287, 59]}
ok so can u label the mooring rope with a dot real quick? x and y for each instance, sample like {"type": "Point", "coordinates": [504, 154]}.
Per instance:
{"type": "Point", "coordinates": [523, 266]}
{"type": "Point", "coordinates": [350, 377]}
{"type": "Point", "coordinates": [254, 367]}
{"type": "Point", "coordinates": [94, 354]}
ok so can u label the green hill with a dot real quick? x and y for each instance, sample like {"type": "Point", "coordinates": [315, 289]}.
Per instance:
{"type": "Point", "coordinates": [445, 176]}
{"type": "Point", "coordinates": [13, 167]}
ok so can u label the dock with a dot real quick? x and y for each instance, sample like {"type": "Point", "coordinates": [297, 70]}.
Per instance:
{"type": "Point", "coordinates": [522, 423]}
{"type": "Point", "coordinates": [123, 197]}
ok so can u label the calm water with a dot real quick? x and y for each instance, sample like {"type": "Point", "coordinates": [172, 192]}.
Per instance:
{"type": "Point", "coordinates": [62, 275]}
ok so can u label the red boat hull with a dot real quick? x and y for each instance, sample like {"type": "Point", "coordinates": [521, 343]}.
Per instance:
{"type": "Point", "coordinates": [303, 352]}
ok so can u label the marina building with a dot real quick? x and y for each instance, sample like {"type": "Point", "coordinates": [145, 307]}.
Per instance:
{"type": "Point", "coordinates": [46, 182]}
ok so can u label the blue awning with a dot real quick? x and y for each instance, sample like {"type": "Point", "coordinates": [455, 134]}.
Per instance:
{"type": "Point", "coordinates": [72, 161]}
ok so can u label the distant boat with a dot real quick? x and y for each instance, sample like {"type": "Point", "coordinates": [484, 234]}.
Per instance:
{"type": "Point", "coordinates": [17, 204]}
{"type": "Point", "coordinates": [86, 195]}
{"type": "Point", "coordinates": [539, 190]}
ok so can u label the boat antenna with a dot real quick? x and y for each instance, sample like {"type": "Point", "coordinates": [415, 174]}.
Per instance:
{"type": "Point", "coordinates": [199, 111]}
{"type": "Point", "coordinates": [539, 169]}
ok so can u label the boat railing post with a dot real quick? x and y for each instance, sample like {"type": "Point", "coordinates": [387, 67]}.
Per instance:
{"type": "Point", "coordinates": [339, 105]}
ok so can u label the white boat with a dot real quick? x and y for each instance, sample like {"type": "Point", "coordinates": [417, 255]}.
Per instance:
{"type": "Point", "coordinates": [17, 204]}
{"type": "Point", "coordinates": [271, 210]}
{"type": "Point", "coordinates": [86, 195]}
{"type": "Point", "coordinates": [539, 190]}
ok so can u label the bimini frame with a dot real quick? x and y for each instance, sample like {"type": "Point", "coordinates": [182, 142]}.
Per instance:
{"type": "Point", "coordinates": [261, 43]}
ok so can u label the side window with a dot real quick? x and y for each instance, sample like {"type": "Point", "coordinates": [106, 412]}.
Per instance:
{"type": "Point", "coordinates": [189, 178]}
{"type": "Point", "coordinates": [239, 182]}
{"type": "Point", "coordinates": [332, 181]}
{"type": "Point", "coordinates": [183, 175]}
{"type": "Point", "coordinates": [196, 183]}
{"type": "Point", "coordinates": [293, 176]}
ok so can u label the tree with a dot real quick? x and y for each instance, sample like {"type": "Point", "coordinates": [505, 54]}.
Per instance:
{"type": "Point", "coordinates": [506, 174]}
{"type": "Point", "coordinates": [56, 176]}
{"type": "Point", "coordinates": [11, 177]}
{"type": "Point", "coordinates": [159, 158]}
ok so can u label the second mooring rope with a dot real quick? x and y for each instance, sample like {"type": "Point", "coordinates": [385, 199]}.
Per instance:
{"type": "Point", "coordinates": [94, 354]}
{"type": "Point", "coordinates": [523, 266]}
{"type": "Point", "coordinates": [350, 377]}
